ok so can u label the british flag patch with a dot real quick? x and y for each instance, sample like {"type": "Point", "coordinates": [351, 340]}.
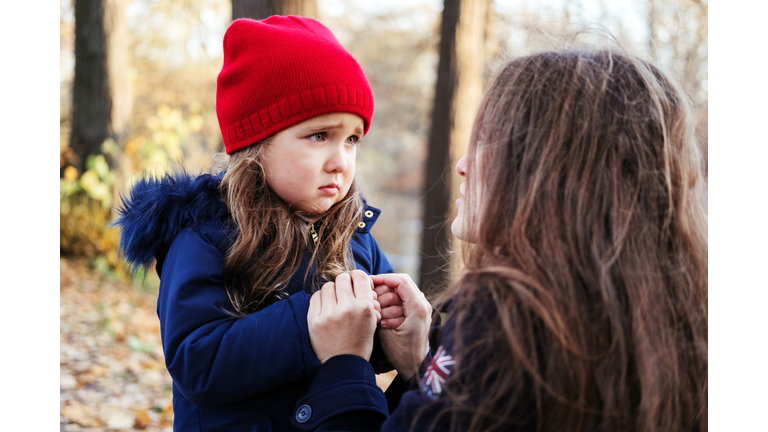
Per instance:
{"type": "Point", "coordinates": [437, 372]}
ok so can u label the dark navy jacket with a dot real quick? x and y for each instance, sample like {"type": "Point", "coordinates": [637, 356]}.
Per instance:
{"type": "Point", "coordinates": [229, 374]}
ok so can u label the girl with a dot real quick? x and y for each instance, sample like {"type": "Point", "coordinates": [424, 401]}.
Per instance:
{"type": "Point", "coordinates": [239, 253]}
{"type": "Point", "coordinates": [584, 302]}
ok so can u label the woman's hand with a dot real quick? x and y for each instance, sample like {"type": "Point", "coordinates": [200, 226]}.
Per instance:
{"type": "Point", "coordinates": [406, 345]}
{"type": "Point", "coordinates": [342, 317]}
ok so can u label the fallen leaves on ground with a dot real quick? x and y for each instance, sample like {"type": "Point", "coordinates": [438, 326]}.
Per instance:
{"type": "Point", "coordinates": [112, 370]}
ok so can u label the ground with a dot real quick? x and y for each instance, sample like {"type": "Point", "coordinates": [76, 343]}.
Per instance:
{"type": "Point", "coordinates": [113, 375]}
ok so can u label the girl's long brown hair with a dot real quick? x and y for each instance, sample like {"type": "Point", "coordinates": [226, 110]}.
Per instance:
{"type": "Point", "coordinates": [271, 239]}
{"type": "Point", "coordinates": [584, 303]}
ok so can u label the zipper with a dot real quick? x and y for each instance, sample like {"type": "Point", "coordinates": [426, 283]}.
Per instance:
{"type": "Point", "coordinates": [313, 233]}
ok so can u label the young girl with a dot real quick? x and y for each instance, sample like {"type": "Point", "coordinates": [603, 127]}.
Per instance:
{"type": "Point", "coordinates": [584, 303]}
{"type": "Point", "coordinates": [239, 253]}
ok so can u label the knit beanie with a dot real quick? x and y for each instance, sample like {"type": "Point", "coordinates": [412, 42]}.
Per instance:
{"type": "Point", "coordinates": [281, 71]}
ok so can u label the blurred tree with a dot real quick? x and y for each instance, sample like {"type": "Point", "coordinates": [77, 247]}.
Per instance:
{"type": "Point", "coordinates": [457, 95]}
{"type": "Point", "coordinates": [678, 39]}
{"type": "Point", "coordinates": [101, 95]}
{"type": "Point", "coordinates": [653, 23]}
{"type": "Point", "coordinates": [176, 47]}
{"type": "Point", "coordinates": [260, 9]}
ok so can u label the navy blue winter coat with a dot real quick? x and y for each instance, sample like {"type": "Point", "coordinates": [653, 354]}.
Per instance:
{"type": "Point", "coordinates": [229, 374]}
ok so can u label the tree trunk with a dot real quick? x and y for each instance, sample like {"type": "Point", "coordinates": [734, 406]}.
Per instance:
{"type": "Point", "coordinates": [457, 95]}
{"type": "Point", "coordinates": [260, 9]}
{"type": "Point", "coordinates": [101, 93]}
{"type": "Point", "coordinates": [91, 98]}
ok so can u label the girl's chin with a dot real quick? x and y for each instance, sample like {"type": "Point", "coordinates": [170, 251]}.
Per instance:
{"type": "Point", "coordinates": [316, 209]}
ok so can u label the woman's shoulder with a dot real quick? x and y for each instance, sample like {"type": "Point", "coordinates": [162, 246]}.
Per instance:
{"type": "Point", "coordinates": [477, 291]}
{"type": "Point", "coordinates": [474, 310]}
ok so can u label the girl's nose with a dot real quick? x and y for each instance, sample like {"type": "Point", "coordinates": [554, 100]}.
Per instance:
{"type": "Point", "coordinates": [461, 166]}
{"type": "Point", "coordinates": [337, 162]}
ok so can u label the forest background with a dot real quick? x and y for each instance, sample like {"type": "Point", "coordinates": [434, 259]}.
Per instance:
{"type": "Point", "coordinates": [164, 57]}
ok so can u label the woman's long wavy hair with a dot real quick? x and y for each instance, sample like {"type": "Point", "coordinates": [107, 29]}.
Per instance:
{"type": "Point", "coordinates": [271, 238]}
{"type": "Point", "coordinates": [584, 303]}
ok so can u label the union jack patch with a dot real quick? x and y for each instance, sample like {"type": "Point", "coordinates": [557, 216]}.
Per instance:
{"type": "Point", "coordinates": [437, 372]}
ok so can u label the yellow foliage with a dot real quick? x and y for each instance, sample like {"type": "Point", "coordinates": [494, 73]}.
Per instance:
{"type": "Point", "coordinates": [196, 123]}
{"type": "Point", "coordinates": [70, 173]}
{"type": "Point", "coordinates": [173, 146]}
{"type": "Point", "coordinates": [89, 180]}
{"type": "Point", "coordinates": [86, 198]}
{"type": "Point", "coordinates": [163, 110]}
{"type": "Point", "coordinates": [85, 213]}
{"type": "Point", "coordinates": [153, 123]}
{"type": "Point", "coordinates": [171, 119]}
{"type": "Point", "coordinates": [84, 229]}
{"type": "Point", "coordinates": [132, 146]}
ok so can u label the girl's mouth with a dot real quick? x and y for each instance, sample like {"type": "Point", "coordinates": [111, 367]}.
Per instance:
{"type": "Point", "coordinates": [329, 189]}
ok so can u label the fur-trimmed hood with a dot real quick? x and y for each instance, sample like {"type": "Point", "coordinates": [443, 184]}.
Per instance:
{"type": "Point", "coordinates": [158, 209]}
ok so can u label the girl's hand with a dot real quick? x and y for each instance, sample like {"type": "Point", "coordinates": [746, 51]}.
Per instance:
{"type": "Point", "coordinates": [391, 307]}
{"type": "Point", "coordinates": [342, 317]}
{"type": "Point", "coordinates": [406, 345]}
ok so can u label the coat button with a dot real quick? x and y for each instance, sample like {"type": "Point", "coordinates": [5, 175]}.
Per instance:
{"type": "Point", "coordinates": [368, 213]}
{"type": "Point", "coordinates": [303, 413]}
{"type": "Point", "coordinates": [361, 225]}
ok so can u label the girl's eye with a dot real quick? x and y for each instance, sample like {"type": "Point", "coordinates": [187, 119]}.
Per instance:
{"type": "Point", "coordinates": [320, 136]}
{"type": "Point", "coordinates": [354, 139]}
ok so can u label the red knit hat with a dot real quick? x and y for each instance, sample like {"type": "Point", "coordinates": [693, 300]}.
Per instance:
{"type": "Point", "coordinates": [281, 71]}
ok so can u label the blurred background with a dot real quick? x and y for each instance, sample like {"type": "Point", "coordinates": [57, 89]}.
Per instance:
{"type": "Point", "coordinates": [138, 83]}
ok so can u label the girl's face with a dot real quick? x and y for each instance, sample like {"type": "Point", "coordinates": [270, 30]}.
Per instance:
{"type": "Point", "coordinates": [311, 165]}
{"type": "Point", "coordinates": [459, 226]}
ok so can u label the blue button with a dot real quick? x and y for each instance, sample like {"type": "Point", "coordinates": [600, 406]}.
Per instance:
{"type": "Point", "coordinates": [303, 414]}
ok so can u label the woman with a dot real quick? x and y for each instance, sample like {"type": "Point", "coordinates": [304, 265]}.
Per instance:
{"type": "Point", "coordinates": [584, 302]}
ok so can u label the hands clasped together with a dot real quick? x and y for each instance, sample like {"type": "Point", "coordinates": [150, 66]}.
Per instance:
{"type": "Point", "coordinates": [344, 314]}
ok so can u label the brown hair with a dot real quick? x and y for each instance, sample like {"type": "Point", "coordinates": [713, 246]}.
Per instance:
{"type": "Point", "coordinates": [271, 239]}
{"type": "Point", "coordinates": [584, 304]}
